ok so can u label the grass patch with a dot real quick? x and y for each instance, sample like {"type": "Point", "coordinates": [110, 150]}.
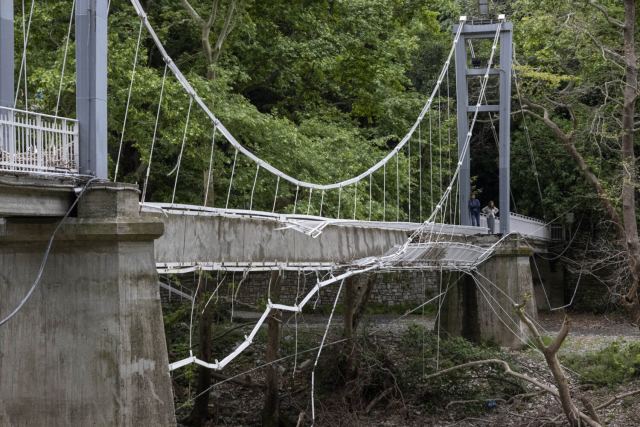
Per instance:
{"type": "Point", "coordinates": [615, 364]}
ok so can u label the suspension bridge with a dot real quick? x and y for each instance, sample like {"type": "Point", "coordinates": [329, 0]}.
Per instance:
{"type": "Point", "coordinates": [94, 296]}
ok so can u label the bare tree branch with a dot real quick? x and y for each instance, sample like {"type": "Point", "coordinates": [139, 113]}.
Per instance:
{"type": "Point", "coordinates": [605, 13]}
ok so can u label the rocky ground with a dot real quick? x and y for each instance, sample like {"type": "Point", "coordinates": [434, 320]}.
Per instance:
{"type": "Point", "coordinates": [238, 402]}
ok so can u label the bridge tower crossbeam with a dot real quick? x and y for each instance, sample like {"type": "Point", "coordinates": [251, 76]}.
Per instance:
{"type": "Point", "coordinates": [485, 29]}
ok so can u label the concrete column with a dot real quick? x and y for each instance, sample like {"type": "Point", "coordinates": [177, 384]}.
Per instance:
{"type": "Point", "coordinates": [462, 100]}
{"type": "Point", "coordinates": [505, 129]}
{"type": "Point", "coordinates": [88, 349]}
{"type": "Point", "coordinates": [6, 54]}
{"type": "Point", "coordinates": [91, 85]}
{"type": "Point", "coordinates": [473, 310]}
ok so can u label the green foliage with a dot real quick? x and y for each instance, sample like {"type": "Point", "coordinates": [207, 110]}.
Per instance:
{"type": "Point", "coordinates": [418, 353]}
{"type": "Point", "coordinates": [424, 354]}
{"type": "Point", "coordinates": [615, 364]}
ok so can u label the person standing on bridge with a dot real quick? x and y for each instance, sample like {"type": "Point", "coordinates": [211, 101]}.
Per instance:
{"type": "Point", "coordinates": [491, 211]}
{"type": "Point", "coordinates": [474, 210]}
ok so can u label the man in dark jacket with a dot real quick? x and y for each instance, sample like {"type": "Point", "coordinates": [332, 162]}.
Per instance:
{"type": "Point", "coordinates": [474, 210]}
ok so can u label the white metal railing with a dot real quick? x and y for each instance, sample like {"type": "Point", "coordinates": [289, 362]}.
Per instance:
{"type": "Point", "coordinates": [524, 225]}
{"type": "Point", "coordinates": [34, 142]}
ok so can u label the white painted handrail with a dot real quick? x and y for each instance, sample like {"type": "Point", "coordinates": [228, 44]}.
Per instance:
{"type": "Point", "coordinates": [39, 143]}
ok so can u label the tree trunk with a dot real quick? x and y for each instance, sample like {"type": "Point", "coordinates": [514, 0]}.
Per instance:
{"type": "Point", "coordinates": [357, 295]}
{"type": "Point", "coordinates": [632, 301]}
{"type": "Point", "coordinates": [271, 410]}
{"type": "Point", "coordinates": [200, 412]}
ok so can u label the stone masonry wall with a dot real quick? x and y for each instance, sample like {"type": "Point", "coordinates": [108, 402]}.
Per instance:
{"type": "Point", "coordinates": [390, 288]}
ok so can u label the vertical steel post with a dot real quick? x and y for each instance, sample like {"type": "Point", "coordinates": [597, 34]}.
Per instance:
{"type": "Point", "coordinates": [505, 130]}
{"type": "Point", "coordinates": [91, 85]}
{"type": "Point", "coordinates": [462, 100]}
{"type": "Point", "coordinates": [6, 54]}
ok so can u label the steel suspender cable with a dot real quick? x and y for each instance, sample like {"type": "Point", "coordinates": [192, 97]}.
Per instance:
{"type": "Point", "coordinates": [126, 109]}
{"type": "Point", "coordinates": [409, 178]}
{"type": "Point", "coordinates": [309, 203]}
{"type": "Point", "coordinates": [440, 141]}
{"type": "Point", "coordinates": [370, 199]}
{"type": "Point", "coordinates": [213, 144]}
{"type": "Point", "coordinates": [26, 30]}
{"type": "Point", "coordinates": [155, 132]}
{"type": "Point", "coordinates": [339, 200]}
{"type": "Point", "coordinates": [448, 134]}
{"type": "Point", "coordinates": [315, 364]}
{"type": "Point", "coordinates": [184, 140]}
{"type": "Point", "coordinates": [420, 173]}
{"type": "Point", "coordinates": [233, 171]}
{"type": "Point", "coordinates": [529, 144]}
{"type": "Point", "coordinates": [355, 200]}
{"type": "Point", "coordinates": [430, 162]}
{"type": "Point", "coordinates": [253, 189]}
{"type": "Point", "coordinates": [397, 189]}
{"type": "Point", "coordinates": [295, 201]}
{"type": "Point", "coordinates": [64, 57]}
{"type": "Point", "coordinates": [321, 201]}
{"type": "Point", "coordinates": [384, 193]}
{"type": "Point", "coordinates": [275, 197]}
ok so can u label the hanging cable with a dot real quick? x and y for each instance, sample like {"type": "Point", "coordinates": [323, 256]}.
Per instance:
{"type": "Point", "coordinates": [193, 305]}
{"type": "Point", "coordinates": [126, 109]}
{"type": "Point", "coordinates": [64, 57]}
{"type": "Point", "coordinates": [321, 201]}
{"type": "Point", "coordinates": [529, 144]}
{"type": "Point", "coordinates": [275, 196]}
{"type": "Point", "coordinates": [233, 171]}
{"type": "Point", "coordinates": [430, 162]}
{"type": "Point", "coordinates": [26, 30]}
{"type": "Point", "coordinates": [339, 200]}
{"type": "Point", "coordinates": [184, 139]}
{"type": "Point", "coordinates": [315, 364]}
{"type": "Point", "coordinates": [384, 193]}
{"type": "Point", "coordinates": [213, 144]}
{"type": "Point", "coordinates": [253, 189]}
{"type": "Point", "coordinates": [440, 141]}
{"type": "Point", "coordinates": [309, 203]}
{"type": "Point", "coordinates": [409, 178]}
{"type": "Point", "coordinates": [355, 200]}
{"type": "Point", "coordinates": [420, 173]}
{"type": "Point", "coordinates": [45, 257]}
{"type": "Point", "coordinates": [448, 135]}
{"type": "Point", "coordinates": [397, 189]}
{"type": "Point", "coordinates": [370, 197]}
{"type": "Point", "coordinates": [295, 202]}
{"type": "Point", "coordinates": [155, 132]}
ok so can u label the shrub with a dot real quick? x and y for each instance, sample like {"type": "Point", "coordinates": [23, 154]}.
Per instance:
{"type": "Point", "coordinates": [615, 364]}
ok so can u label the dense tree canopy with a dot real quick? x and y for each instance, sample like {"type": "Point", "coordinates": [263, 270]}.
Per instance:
{"type": "Point", "coordinates": [323, 89]}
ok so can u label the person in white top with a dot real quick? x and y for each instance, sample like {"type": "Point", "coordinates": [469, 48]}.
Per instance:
{"type": "Point", "coordinates": [491, 211]}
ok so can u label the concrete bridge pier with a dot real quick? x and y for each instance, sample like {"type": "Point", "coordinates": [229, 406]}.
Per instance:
{"type": "Point", "coordinates": [89, 347]}
{"type": "Point", "coordinates": [480, 307]}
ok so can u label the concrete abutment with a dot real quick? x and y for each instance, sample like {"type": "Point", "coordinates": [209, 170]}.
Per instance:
{"type": "Point", "coordinates": [89, 347]}
{"type": "Point", "coordinates": [480, 305]}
